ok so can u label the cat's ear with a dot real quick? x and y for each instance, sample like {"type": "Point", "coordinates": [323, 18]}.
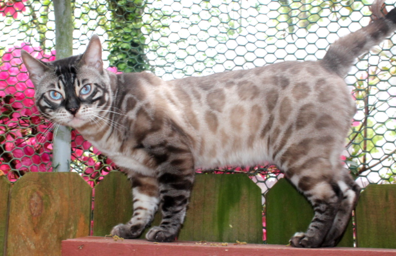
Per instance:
{"type": "Point", "coordinates": [35, 67]}
{"type": "Point", "coordinates": [93, 54]}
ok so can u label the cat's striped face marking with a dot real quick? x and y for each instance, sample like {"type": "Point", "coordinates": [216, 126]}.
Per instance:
{"type": "Point", "coordinates": [72, 91]}
{"type": "Point", "coordinates": [72, 98]}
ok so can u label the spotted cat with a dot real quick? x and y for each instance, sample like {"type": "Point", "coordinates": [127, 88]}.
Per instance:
{"type": "Point", "coordinates": [294, 114]}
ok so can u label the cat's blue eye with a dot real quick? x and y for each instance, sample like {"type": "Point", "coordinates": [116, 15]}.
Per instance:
{"type": "Point", "coordinates": [86, 89]}
{"type": "Point", "coordinates": [55, 95]}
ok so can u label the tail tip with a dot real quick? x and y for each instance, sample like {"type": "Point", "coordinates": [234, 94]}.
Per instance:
{"type": "Point", "coordinates": [391, 15]}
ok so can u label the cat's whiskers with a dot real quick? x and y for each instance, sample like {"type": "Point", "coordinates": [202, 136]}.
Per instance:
{"type": "Point", "coordinates": [95, 121]}
{"type": "Point", "coordinates": [119, 127]}
{"type": "Point", "coordinates": [53, 126]}
{"type": "Point", "coordinates": [44, 135]}
{"type": "Point", "coordinates": [110, 111]}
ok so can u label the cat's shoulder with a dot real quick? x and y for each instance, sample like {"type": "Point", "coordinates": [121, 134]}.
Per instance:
{"type": "Point", "coordinates": [143, 78]}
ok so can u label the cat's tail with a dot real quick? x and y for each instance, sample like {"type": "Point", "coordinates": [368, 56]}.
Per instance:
{"type": "Point", "coordinates": [341, 54]}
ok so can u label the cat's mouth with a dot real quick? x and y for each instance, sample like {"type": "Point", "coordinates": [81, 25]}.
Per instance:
{"type": "Point", "coordinates": [76, 122]}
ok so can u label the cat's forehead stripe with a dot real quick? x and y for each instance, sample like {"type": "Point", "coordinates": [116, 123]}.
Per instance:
{"type": "Point", "coordinates": [67, 74]}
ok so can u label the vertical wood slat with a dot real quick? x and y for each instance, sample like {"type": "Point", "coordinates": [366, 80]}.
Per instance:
{"type": "Point", "coordinates": [223, 208]}
{"type": "Point", "coordinates": [288, 211]}
{"type": "Point", "coordinates": [376, 217]}
{"type": "Point", "coordinates": [112, 203]}
{"type": "Point", "coordinates": [46, 208]}
{"type": "Point", "coordinates": [5, 186]}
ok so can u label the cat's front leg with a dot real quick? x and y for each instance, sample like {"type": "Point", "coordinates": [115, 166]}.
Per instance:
{"type": "Point", "coordinates": [145, 204]}
{"type": "Point", "coordinates": [175, 184]}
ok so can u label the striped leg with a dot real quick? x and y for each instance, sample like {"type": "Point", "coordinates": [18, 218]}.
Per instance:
{"type": "Point", "coordinates": [175, 189]}
{"type": "Point", "coordinates": [350, 191]}
{"type": "Point", "coordinates": [145, 205]}
{"type": "Point", "coordinates": [324, 195]}
{"type": "Point", "coordinates": [325, 208]}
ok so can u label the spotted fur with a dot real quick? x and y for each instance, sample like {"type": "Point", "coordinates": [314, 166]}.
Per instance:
{"type": "Point", "coordinates": [295, 114]}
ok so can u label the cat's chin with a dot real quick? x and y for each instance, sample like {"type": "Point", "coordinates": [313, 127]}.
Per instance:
{"type": "Point", "coordinates": [76, 122]}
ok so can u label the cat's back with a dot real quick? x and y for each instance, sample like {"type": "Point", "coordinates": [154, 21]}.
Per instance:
{"type": "Point", "coordinates": [232, 114]}
{"type": "Point", "coordinates": [275, 90]}
{"type": "Point", "coordinates": [290, 77]}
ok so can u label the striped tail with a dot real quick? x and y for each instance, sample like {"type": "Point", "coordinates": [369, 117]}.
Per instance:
{"type": "Point", "coordinates": [342, 54]}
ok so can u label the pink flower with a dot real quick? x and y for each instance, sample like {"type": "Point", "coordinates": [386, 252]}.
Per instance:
{"type": "Point", "coordinates": [45, 158]}
{"type": "Point", "coordinates": [114, 70]}
{"type": "Point", "coordinates": [5, 168]}
{"type": "Point", "coordinates": [11, 7]}
{"type": "Point", "coordinates": [96, 151]}
{"type": "Point", "coordinates": [36, 159]}
{"type": "Point", "coordinates": [28, 150]}
{"type": "Point", "coordinates": [26, 161]}
{"type": "Point", "coordinates": [355, 123]}
{"type": "Point", "coordinates": [18, 153]}
{"type": "Point", "coordinates": [78, 140]}
{"type": "Point", "coordinates": [86, 145]}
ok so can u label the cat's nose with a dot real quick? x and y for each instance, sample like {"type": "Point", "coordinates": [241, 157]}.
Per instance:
{"type": "Point", "coordinates": [73, 111]}
{"type": "Point", "coordinates": [72, 106]}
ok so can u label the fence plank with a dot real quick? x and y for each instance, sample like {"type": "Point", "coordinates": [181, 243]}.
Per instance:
{"type": "Point", "coordinates": [5, 186]}
{"type": "Point", "coordinates": [113, 203]}
{"type": "Point", "coordinates": [100, 246]}
{"type": "Point", "coordinates": [288, 211]}
{"type": "Point", "coordinates": [376, 217]}
{"type": "Point", "coordinates": [224, 208]}
{"type": "Point", "coordinates": [46, 208]}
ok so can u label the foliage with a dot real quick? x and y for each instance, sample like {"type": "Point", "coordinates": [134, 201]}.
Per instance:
{"type": "Point", "coordinates": [371, 141]}
{"type": "Point", "coordinates": [11, 7]}
{"type": "Point", "coordinates": [25, 140]}
{"type": "Point", "coordinates": [305, 13]}
{"type": "Point", "coordinates": [126, 41]}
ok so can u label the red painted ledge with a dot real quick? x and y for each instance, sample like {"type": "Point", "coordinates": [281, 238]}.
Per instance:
{"type": "Point", "coordinates": [101, 246]}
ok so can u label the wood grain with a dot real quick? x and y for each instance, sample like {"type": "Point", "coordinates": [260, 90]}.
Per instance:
{"type": "Point", "coordinates": [46, 208]}
{"type": "Point", "coordinates": [288, 212]}
{"type": "Point", "coordinates": [112, 203]}
{"type": "Point", "coordinates": [99, 246]}
{"type": "Point", "coordinates": [376, 217]}
{"type": "Point", "coordinates": [224, 208]}
{"type": "Point", "coordinates": [5, 186]}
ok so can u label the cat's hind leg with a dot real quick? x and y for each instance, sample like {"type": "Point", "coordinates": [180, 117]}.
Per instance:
{"type": "Point", "coordinates": [175, 184]}
{"type": "Point", "coordinates": [350, 191]}
{"type": "Point", "coordinates": [325, 197]}
{"type": "Point", "coordinates": [145, 205]}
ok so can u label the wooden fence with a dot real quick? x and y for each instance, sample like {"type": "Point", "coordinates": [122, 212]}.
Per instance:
{"type": "Point", "coordinates": [42, 209]}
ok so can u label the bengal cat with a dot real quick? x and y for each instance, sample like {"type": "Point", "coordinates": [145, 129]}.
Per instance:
{"type": "Point", "coordinates": [293, 114]}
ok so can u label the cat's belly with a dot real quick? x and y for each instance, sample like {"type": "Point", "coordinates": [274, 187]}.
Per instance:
{"type": "Point", "coordinates": [234, 156]}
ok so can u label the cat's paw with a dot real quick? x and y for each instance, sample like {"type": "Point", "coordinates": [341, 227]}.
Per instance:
{"type": "Point", "coordinates": [331, 243]}
{"type": "Point", "coordinates": [301, 240]}
{"type": "Point", "coordinates": [160, 234]}
{"type": "Point", "coordinates": [127, 231]}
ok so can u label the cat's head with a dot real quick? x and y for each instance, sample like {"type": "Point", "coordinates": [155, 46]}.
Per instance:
{"type": "Point", "coordinates": [71, 91]}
